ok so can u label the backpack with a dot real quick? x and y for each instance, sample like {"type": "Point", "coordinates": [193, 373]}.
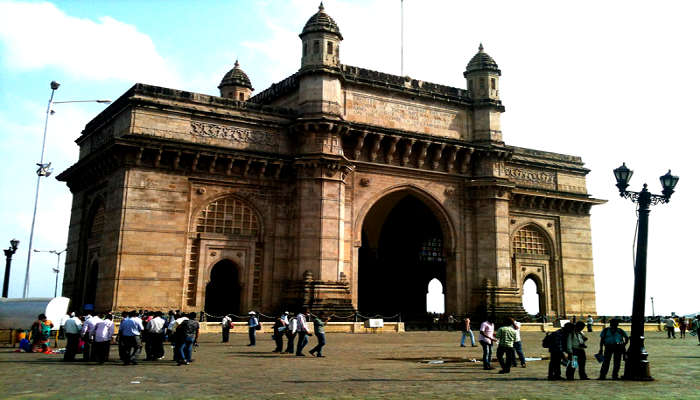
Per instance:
{"type": "Point", "coordinates": [548, 340]}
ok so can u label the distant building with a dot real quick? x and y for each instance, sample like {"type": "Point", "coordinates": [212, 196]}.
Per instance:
{"type": "Point", "coordinates": [338, 188]}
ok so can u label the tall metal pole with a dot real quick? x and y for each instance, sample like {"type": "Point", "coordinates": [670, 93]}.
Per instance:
{"type": "Point", "coordinates": [8, 263]}
{"type": "Point", "coordinates": [637, 364]}
{"type": "Point", "coordinates": [54, 86]}
{"type": "Point", "coordinates": [401, 37]}
{"type": "Point", "coordinates": [57, 270]}
{"type": "Point", "coordinates": [653, 314]}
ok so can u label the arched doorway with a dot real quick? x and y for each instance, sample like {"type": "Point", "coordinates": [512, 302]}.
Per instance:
{"type": "Point", "coordinates": [435, 299]}
{"type": "Point", "coordinates": [91, 287]}
{"type": "Point", "coordinates": [402, 251]}
{"type": "Point", "coordinates": [531, 296]}
{"type": "Point", "coordinates": [223, 293]}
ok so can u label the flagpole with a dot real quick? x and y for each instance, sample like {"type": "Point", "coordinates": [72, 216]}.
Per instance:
{"type": "Point", "coordinates": [401, 37]}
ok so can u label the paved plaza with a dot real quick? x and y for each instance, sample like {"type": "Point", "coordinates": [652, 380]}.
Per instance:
{"type": "Point", "coordinates": [361, 366]}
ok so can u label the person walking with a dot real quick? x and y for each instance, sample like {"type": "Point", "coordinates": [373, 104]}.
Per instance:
{"type": "Point", "coordinates": [226, 325]}
{"type": "Point", "coordinates": [188, 330]}
{"type": "Point", "coordinates": [696, 327]}
{"type": "Point", "coordinates": [486, 341]}
{"type": "Point", "coordinates": [291, 332]}
{"type": "Point", "coordinates": [177, 340]}
{"type": "Point", "coordinates": [88, 326]}
{"type": "Point", "coordinates": [557, 342]}
{"type": "Point", "coordinates": [576, 349]}
{"type": "Point", "coordinates": [302, 332]}
{"type": "Point", "coordinates": [506, 337]}
{"type": "Point", "coordinates": [253, 324]}
{"type": "Point", "coordinates": [670, 327]}
{"type": "Point", "coordinates": [154, 329]}
{"type": "Point", "coordinates": [278, 330]}
{"type": "Point", "coordinates": [466, 330]}
{"type": "Point", "coordinates": [320, 332]}
{"type": "Point", "coordinates": [130, 338]}
{"type": "Point", "coordinates": [614, 339]}
{"type": "Point", "coordinates": [104, 330]}
{"type": "Point", "coordinates": [518, 344]}
{"type": "Point", "coordinates": [72, 329]}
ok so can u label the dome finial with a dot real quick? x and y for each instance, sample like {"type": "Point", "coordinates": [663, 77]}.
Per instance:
{"type": "Point", "coordinates": [320, 7]}
{"type": "Point", "coordinates": [236, 64]}
{"type": "Point", "coordinates": [481, 48]}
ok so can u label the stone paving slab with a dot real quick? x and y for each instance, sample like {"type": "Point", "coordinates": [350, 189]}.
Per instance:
{"type": "Point", "coordinates": [365, 366]}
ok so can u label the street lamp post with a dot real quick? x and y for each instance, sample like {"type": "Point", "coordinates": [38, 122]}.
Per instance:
{"type": "Point", "coordinates": [637, 364]}
{"type": "Point", "coordinates": [45, 170]}
{"type": "Point", "coordinates": [58, 265]}
{"type": "Point", "coordinates": [8, 262]}
{"type": "Point", "coordinates": [653, 314]}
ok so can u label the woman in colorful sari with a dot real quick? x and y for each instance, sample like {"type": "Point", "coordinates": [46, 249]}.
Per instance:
{"type": "Point", "coordinates": [41, 332]}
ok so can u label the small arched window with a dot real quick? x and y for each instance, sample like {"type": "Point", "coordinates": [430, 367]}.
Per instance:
{"type": "Point", "coordinates": [530, 240]}
{"type": "Point", "coordinates": [329, 49]}
{"type": "Point", "coordinates": [241, 97]}
{"type": "Point", "coordinates": [305, 48]}
{"type": "Point", "coordinates": [493, 83]}
{"type": "Point", "coordinates": [317, 47]}
{"type": "Point", "coordinates": [228, 216]}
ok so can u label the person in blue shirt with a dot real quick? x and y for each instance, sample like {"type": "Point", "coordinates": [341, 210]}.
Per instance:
{"type": "Point", "coordinates": [614, 339]}
{"type": "Point", "coordinates": [252, 327]}
{"type": "Point", "coordinates": [130, 338]}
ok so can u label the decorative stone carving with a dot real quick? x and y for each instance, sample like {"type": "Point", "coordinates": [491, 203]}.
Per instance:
{"type": "Point", "coordinates": [530, 177]}
{"type": "Point", "coordinates": [234, 133]}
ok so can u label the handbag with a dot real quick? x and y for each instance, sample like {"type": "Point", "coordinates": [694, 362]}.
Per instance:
{"type": "Point", "coordinates": [258, 327]}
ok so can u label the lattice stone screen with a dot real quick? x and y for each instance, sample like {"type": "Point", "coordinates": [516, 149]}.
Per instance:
{"type": "Point", "coordinates": [529, 240]}
{"type": "Point", "coordinates": [228, 216]}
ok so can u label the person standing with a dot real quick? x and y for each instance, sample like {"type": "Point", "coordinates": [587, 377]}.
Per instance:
{"type": "Point", "coordinates": [291, 333]}
{"type": "Point", "coordinates": [467, 330]}
{"type": "Point", "coordinates": [130, 338]}
{"type": "Point", "coordinates": [154, 330]}
{"type": "Point", "coordinates": [104, 330]}
{"type": "Point", "coordinates": [589, 323]}
{"type": "Point", "coordinates": [177, 340]}
{"type": "Point", "coordinates": [576, 349]}
{"type": "Point", "coordinates": [320, 332]}
{"type": "Point", "coordinates": [682, 325]}
{"type": "Point", "coordinates": [189, 331]}
{"type": "Point", "coordinates": [72, 329]}
{"type": "Point", "coordinates": [302, 332]}
{"type": "Point", "coordinates": [88, 327]}
{"type": "Point", "coordinates": [253, 323]}
{"type": "Point", "coordinates": [614, 339]}
{"type": "Point", "coordinates": [226, 323]}
{"type": "Point", "coordinates": [696, 327]}
{"type": "Point", "coordinates": [41, 331]}
{"type": "Point", "coordinates": [557, 343]}
{"type": "Point", "coordinates": [518, 344]}
{"type": "Point", "coordinates": [486, 340]}
{"type": "Point", "coordinates": [506, 337]}
{"type": "Point", "coordinates": [670, 327]}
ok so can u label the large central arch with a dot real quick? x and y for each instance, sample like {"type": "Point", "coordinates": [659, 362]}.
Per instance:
{"type": "Point", "coordinates": [406, 239]}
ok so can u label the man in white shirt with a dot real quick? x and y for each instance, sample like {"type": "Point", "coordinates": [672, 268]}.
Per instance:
{"type": "Point", "coordinates": [72, 329]}
{"type": "Point", "coordinates": [154, 342]}
{"type": "Point", "coordinates": [518, 345]}
{"type": "Point", "coordinates": [178, 339]}
{"type": "Point", "coordinates": [225, 328]}
{"type": "Point", "coordinates": [89, 326]}
{"type": "Point", "coordinates": [102, 334]}
{"type": "Point", "coordinates": [290, 333]}
{"type": "Point", "coordinates": [253, 323]}
{"type": "Point", "coordinates": [671, 327]}
{"type": "Point", "coordinates": [302, 331]}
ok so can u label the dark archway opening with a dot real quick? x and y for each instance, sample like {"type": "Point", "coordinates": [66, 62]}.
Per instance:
{"type": "Point", "coordinates": [223, 295]}
{"type": "Point", "coordinates": [401, 252]}
{"type": "Point", "coordinates": [91, 287]}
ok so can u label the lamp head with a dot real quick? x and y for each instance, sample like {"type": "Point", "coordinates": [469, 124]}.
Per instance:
{"type": "Point", "coordinates": [668, 183]}
{"type": "Point", "coordinates": [54, 85]}
{"type": "Point", "coordinates": [14, 243]}
{"type": "Point", "coordinates": [622, 176]}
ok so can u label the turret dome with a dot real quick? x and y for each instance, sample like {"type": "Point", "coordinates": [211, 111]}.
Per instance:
{"type": "Point", "coordinates": [482, 62]}
{"type": "Point", "coordinates": [236, 77]}
{"type": "Point", "coordinates": [321, 22]}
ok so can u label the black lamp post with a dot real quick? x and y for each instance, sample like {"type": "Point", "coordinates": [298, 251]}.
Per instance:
{"type": "Point", "coordinates": [8, 261]}
{"type": "Point", "coordinates": [637, 365]}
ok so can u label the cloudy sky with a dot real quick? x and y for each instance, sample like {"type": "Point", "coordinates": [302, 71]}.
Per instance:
{"type": "Point", "coordinates": [609, 81]}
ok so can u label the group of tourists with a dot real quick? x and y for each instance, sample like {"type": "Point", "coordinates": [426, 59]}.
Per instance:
{"type": "Point", "coordinates": [509, 344]}
{"type": "Point", "coordinates": [286, 325]}
{"type": "Point", "coordinates": [672, 323]}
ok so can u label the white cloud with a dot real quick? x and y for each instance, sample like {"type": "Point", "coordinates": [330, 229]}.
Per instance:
{"type": "Point", "coordinates": [39, 35]}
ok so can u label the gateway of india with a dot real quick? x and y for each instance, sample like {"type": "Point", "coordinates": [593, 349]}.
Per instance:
{"type": "Point", "coordinates": [338, 189]}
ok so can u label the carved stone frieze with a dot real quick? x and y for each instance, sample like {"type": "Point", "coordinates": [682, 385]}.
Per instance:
{"type": "Point", "coordinates": [234, 133]}
{"type": "Point", "coordinates": [531, 177]}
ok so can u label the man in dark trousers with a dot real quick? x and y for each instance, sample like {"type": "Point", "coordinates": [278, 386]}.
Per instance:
{"type": "Point", "coordinates": [557, 345]}
{"type": "Point", "coordinates": [614, 339]}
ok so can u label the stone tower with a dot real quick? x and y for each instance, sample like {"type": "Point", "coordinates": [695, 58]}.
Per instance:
{"type": "Point", "coordinates": [320, 65]}
{"type": "Point", "coordinates": [482, 82]}
{"type": "Point", "coordinates": [236, 84]}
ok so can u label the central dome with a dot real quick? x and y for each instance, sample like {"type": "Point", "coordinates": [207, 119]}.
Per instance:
{"type": "Point", "coordinates": [321, 22]}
